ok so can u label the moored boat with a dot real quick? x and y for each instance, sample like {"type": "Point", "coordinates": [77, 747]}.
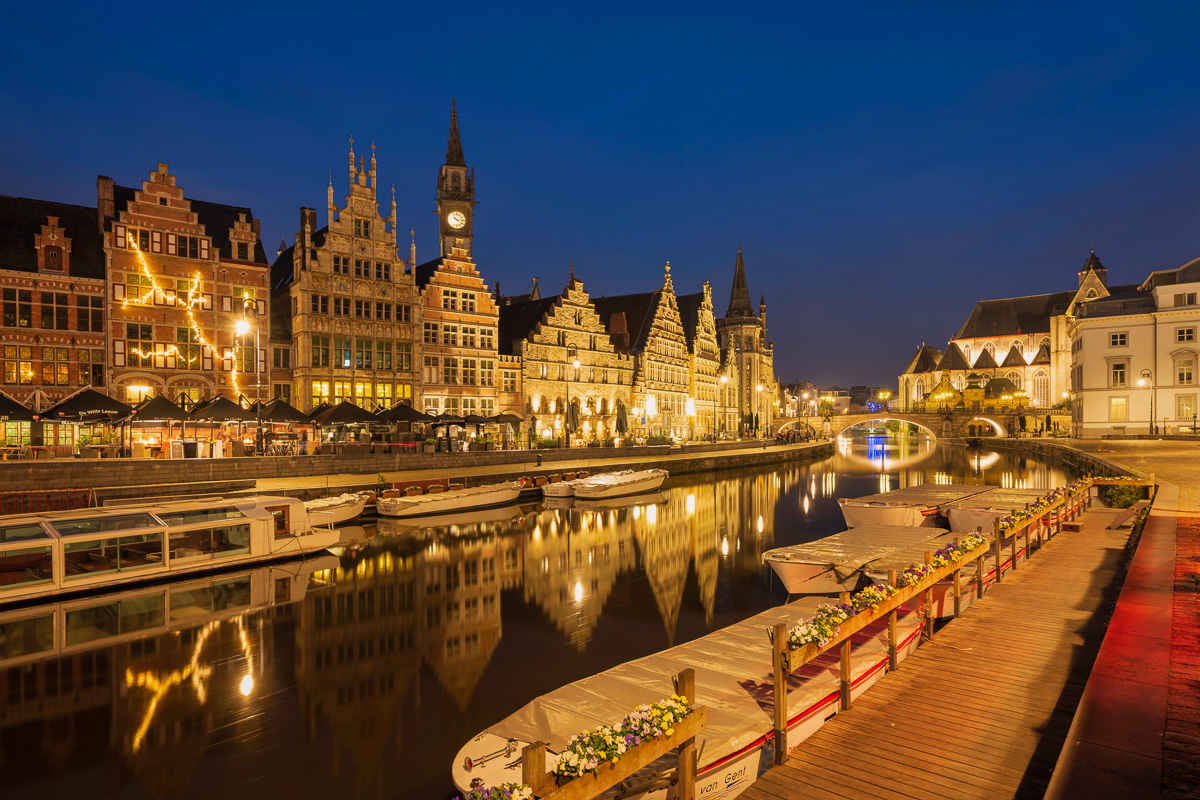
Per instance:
{"type": "Point", "coordinates": [981, 511]}
{"type": "Point", "coordinates": [339, 509]}
{"type": "Point", "coordinates": [63, 552]}
{"type": "Point", "coordinates": [454, 500]}
{"type": "Point", "coordinates": [567, 488]}
{"type": "Point", "coordinates": [838, 563]}
{"type": "Point", "coordinates": [733, 669]}
{"type": "Point", "coordinates": [923, 505]}
{"type": "Point", "coordinates": [600, 487]}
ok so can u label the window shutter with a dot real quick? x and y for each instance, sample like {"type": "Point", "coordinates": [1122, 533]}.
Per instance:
{"type": "Point", "coordinates": [206, 360]}
{"type": "Point", "coordinates": [120, 229]}
{"type": "Point", "coordinates": [160, 358]}
{"type": "Point", "coordinates": [118, 291]}
{"type": "Point", "coordinates": [204, 248]}
{"type": "Point", "coordinates": [172, 245]}
{"type": "Point", "coordinates": [226, 303]}
{"type": "Point", "coordinates": [171, 358]}
{"type": "Point", "coordinates": [118, 353]}
{"type": "Point", "coordinates": [156, 241]}
{"type": "Point", "coordinates": [206, 303]}
{"type": "Point", "coordinates": [262, 306]}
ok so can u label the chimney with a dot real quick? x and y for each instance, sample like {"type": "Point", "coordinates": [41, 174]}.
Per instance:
{"type": "Point", "coordinates": [106, 206]}
{"type": "Point", "coordinates": [534, 294]}
{"type": "Point", "coordinates": [496, 291]}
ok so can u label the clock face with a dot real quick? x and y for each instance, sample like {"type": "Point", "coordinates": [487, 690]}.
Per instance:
{"type": "Point", "coordinates": [456, 219]}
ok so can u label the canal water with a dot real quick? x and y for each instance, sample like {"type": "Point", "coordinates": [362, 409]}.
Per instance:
{"type": "Point", "coordinates": [361, 676]}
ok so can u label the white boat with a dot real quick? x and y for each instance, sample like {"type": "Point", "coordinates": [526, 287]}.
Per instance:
{"type": "Point", "coordinates": [336, 510]}
{"type": "Point", "coordinates": [496, 494]}
{"type": "Point", "coordinates": [567, 488]}
{"type": "Point", "coordinates": [981, 511]}
{"type": "Point", "coordinates": [838, 563]}
{"type": "Point", "coordinates": [922, 505]}
{"type": "Point", "coordinates": [609, 485]}
{"type": "Point", "coordinates": [453, 522]}
{"type": "Point", "coordinates": [626, 501]}
{"type": "Point", "coordinates": [60, 552]}
{"type": "Point", "coordinates": [733, 679]}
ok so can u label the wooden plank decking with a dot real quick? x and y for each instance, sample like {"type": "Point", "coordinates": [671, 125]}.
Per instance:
{"type": "Point", "coordinates": [983, 709]}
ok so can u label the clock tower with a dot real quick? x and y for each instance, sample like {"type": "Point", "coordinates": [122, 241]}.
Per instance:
{"type": "Point", "coordinates": [455, 194]}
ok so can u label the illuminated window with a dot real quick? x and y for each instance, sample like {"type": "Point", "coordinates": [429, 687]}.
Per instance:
{"type": "Point", "coordinates": [342, 345]}
{"type": "Point", "coordinates": [1117, 375]}
{"type": "Point", "coordinates": [1116, 409]}
{"type": "Point", "coordinates": [320, 392]}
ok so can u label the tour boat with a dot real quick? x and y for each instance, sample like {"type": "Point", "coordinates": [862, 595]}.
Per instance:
{"type": "Point", "coordinates": [839, 563]}
{"type": "Point", "coordinates": [67, 627]}
{"type": "Point", "coordinates": [59, 552]}
{"type": "Point", "coordinates": [733, 679]}
{"type": "Point", "coordinates": [600, 487]}
{"type": "Point", "coordinates": [336, 510]}
{"type": "Point", "coordinates": [923, 505]}
{"type": "Point", "coordinates": [454, 500]}
{"type": "Point", "coordinates": [567, 488]}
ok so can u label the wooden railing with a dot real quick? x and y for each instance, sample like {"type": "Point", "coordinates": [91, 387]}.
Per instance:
{"type": "Point", "coordinates": [610, 773]}
{"type": "Point", "coordinates": [786, 658]}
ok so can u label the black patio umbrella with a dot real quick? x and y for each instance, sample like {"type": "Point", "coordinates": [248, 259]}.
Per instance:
{"type": "Point", "coordinates": [87, 405]}
{"type": "Point", "coordinates": [12, 411]}
{"type": "Point", "coordinates": [280, 411]}
{"type": "Point", "coordinates": [622, 419]}
{"type": "Point", "coordinates": [158, 409]}
{"type": "Point", "coordinates": [450, 419]}
{"type": "Point", "coordinates": [222, 409]}
{"type": "Point", "coordinates": [572, 418]}
{"type": "Point", "coordinates": [403, 413]}
{"type": "Point", "coordinates": [344, 413]}
{"type": "Point", "coordinates": [506, 419]}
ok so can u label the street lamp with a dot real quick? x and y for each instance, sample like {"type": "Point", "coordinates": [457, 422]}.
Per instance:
{"type": "Point", "coordinates": [567, 410]}
{"type": "Point", "coordinates": [724, 380]}
{"type": "Point", "coordinates": [1147, 375]}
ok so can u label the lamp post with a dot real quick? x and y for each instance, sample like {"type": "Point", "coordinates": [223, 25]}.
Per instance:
{"type": "Point", "coordinates": [724, 380]}
{"type": "Point", "coordinates": [757, 408]}
{"type": "Point", "coordinates": [242, 328]}
{"type": "Point", "coordinates": [567, 410]}
{"type": "Point", "coordinates": [1148, 376]}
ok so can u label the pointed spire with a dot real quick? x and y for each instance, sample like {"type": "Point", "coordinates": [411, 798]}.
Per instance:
{"type": "Point", "coordinates": [739, 296]}
{"type": "Point", "coordinates": [667, 284]}
{"type": "Point", "coordinates": [412, 248]}
{"type": "Point", "coordinates": [454, 150]}
{"type": "Point", "coordinates": [282, 247]}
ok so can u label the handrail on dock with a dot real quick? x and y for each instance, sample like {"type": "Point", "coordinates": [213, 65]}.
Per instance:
{"type": "Point", "coordinates": [787, 658]}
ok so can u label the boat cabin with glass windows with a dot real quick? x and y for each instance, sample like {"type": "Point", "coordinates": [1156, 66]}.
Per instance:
{"type": "Point", "coordinates": [59, 552]}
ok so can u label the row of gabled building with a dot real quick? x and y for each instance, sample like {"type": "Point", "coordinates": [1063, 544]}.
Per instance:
{"type": "Point", "coordinates": [154, 293]}
{"type": "Point", "coordinates": [1121, 358]}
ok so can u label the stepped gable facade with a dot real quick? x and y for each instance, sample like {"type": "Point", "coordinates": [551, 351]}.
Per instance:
{"type": "Point", "coordinates": [546, 337]}
{"type": "Point", "coordinates": [182, 274]}
{"type": "Point", "coordinates": [647, 327]}
{"type": "Point", "coordinates": [704, 362]}
{"type": "Point", "coordinates": [744, 335]}
{"type": "Point", "coordinates": [54, 300]}
{"type": "Point", "coordinates": [351, 301]}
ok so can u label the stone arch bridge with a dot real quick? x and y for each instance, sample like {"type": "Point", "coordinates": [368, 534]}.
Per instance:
{"type": "Point", "coordinates": [937, 425]}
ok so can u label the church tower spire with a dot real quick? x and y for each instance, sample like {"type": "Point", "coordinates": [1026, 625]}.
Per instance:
{"type": "Point", "coordinates": [739, 296]}
{"type": "Point", "coordinates": [455, 194]}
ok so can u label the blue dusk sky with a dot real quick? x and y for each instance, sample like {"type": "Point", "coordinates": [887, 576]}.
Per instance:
{"type": "Point", "coordinates": [884, 166]}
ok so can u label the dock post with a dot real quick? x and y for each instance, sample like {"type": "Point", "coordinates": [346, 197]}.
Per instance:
{"type": "Point", "coordinates": [845, 660]}
{"type": "Point", "coordinates": [957, 585]}
{"type": "Point", "coordinates": [1062, 509]}
{"type": "Point", "coordinates": [999, 543]}
{"type": "Point", "coordinates": [533, 767]}
{"type": "Point", "coordinates": [980, 565]}
{"type": "Point", "coordinates": [927, 625]}
{"type": "Point", "coordinates": [892, 661]}
{"type": "Point", "coordinates": [1013, 547]}
{"type": "Point", "coordinates": [778, 654]}
{"type": "Point", "coordinates": [685, 686]}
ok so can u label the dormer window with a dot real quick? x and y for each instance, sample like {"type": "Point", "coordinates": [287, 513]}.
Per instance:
{"type": "Point", "coordinates": [53, 258]}
{"type": "Point", "coordinates": [162, 201]}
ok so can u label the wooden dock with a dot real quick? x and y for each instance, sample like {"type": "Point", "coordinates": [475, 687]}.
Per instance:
{"type": "Point", "coordinates": [983, 709]}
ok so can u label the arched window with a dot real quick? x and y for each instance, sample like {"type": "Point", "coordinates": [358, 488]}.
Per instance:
{"type": "Point", "coordinates": [1041, 389]}
{"type": "Point", "coordinates": [1015, 377]}
{"type": "Point", "coordinates": [918, 391]}
{"type": "Point", "coordinates": [1045, 342]}
{"type": "Point", "coordinates": [966, 349]}
{"type": "Point", "coordinates": [959, 382]}
{"type": "Point", "coordinates": [990, 349]}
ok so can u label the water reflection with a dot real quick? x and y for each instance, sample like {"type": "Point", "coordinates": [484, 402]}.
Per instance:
{"type": "Point", "coordinates": [362, 675]}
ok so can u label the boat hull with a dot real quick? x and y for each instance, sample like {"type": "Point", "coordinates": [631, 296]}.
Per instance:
{"type": "Point", "coordinates": [859, 515]}
{"type": "Point", "coordinates": [448, 502]}
{"type": "Point", "coordinates": [646, 481]}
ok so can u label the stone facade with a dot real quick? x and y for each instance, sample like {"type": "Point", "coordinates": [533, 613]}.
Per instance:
{"type": "Point", "coordinates": [181, 275]}
{"type": "Point", "coordinates": [548, 335]}
{"type": "Point", "coordinates": [704, 363]}
{"type": "Point", "coordinates": [744, 334]}
{"type": "Point", "coordinates": [459, 360]}
{"type": "Point", "coordinates": [353, 317]}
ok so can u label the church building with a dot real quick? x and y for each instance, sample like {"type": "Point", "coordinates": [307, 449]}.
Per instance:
{"type": "Point", "coordinates": [743, 336]}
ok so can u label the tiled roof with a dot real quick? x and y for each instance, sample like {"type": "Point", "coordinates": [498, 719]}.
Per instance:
{"type": "Point", "coordinates": [985, 361]}
{"type": "Point", "coordinates": [1043, 355]}
{"type": "Point", "coordinates": [21, 219]}
{"type": "Point", "coordinates": [639, 316]}
{"type": "Point", "coordinates": [689, 314]}
{"type": "Point", "coordinates": [1015, 358]}
{"type": "Point", "coordinates": [281, 269]}
{"type": "Point", "coordinates": [1013, 316]}
{"type": "Point", "coordinates": [953, 359]}
{"type": "Point", "coordinates": [925, 360]}
{"type": "Point", "coordinates": [517, 321]}
{"type": "Point", "coordinates": [424, 272]}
